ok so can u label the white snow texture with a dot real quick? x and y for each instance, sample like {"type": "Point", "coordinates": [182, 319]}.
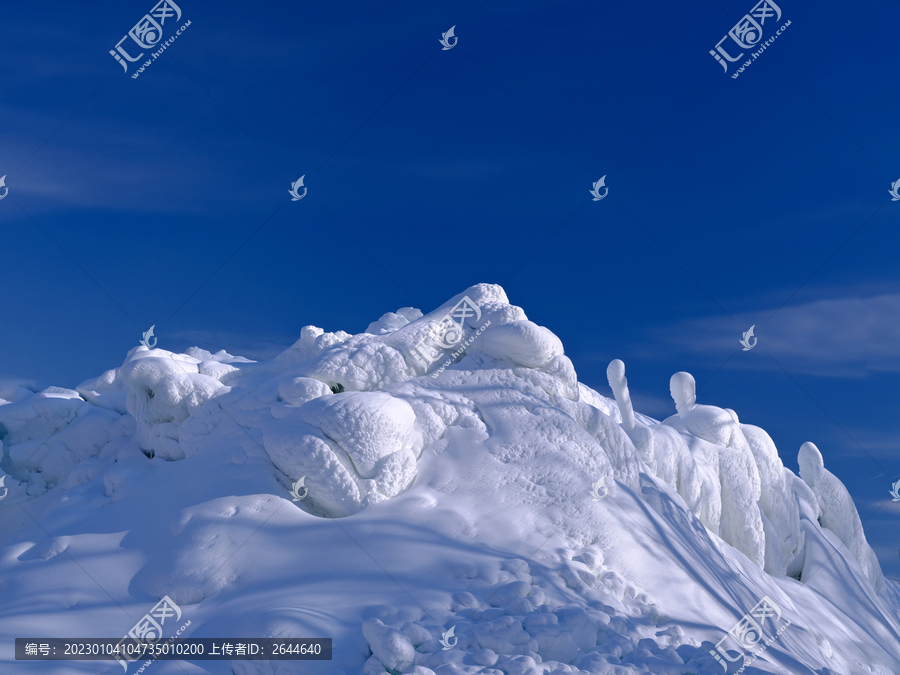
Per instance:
{"type": "Point", "coordinates": [553, 529]}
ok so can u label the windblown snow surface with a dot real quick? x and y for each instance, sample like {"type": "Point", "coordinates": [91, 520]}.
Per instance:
{"type": "Point", "coordinates": [552, 528]}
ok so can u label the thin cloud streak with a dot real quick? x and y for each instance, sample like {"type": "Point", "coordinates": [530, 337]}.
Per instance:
{"type": "Point", "coordinates": [845, 338]}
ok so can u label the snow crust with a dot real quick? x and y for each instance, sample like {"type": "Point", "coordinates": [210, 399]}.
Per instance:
{"type": "Point", "coordinates": [480, 488]}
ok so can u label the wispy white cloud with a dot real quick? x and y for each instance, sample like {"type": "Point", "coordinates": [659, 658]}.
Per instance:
{"type": "Point", "coordinates": [845, 337]}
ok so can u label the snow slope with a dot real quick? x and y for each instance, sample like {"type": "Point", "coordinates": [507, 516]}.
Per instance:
{"type": "Point", "coordinates": [457, 476]}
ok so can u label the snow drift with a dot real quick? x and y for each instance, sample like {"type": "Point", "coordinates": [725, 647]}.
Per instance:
{"type": "Point", "coordinates": [470, 507]}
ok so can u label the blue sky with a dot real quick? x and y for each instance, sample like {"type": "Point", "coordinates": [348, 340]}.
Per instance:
{"type": "Point", "coordinates": [758, 200]}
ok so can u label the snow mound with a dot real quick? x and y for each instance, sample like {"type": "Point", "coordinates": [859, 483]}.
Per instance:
{"type": "Point", "coordinates": [438, 494]}
{"type": "Point", "coordinates": [163, 390]}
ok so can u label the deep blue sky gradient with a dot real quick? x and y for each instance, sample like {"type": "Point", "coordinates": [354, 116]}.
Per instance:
{"type": "Point", "coordinates": [757, 200]}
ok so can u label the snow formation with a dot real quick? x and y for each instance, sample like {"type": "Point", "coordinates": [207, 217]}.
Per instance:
{"type": "Point", "coordinates": [470, 508]}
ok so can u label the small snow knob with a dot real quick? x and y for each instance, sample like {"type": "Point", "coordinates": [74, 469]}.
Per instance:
{"type": "Point", "coordinates": [615, 372]}
{"type": "Point", "coordinates": [684, 391]}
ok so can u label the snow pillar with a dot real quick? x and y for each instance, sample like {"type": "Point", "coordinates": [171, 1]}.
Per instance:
{"type": "Point", "coordinates": [615, 374]}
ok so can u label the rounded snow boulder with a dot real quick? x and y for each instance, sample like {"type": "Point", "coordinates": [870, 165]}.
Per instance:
{"type": "Point", "coordinates": [164, 389]}
{"type": "Point", "coordinates": [522, 342]}
{"type": "Point", "coordinates": [368, 426]}
{"type": "Point", "coordinates": [297, 449]}
{"type": "Point", "coordinates": [389, 645]}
